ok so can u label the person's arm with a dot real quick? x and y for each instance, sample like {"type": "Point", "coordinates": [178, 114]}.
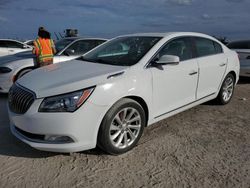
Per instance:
{"type": "Point", "coordinates": [53, 46]}
{"type": "Point", "coordinates": [35, 49]}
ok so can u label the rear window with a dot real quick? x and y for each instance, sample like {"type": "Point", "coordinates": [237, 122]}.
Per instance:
{"type": "Point", "coordinates": [239, 45]}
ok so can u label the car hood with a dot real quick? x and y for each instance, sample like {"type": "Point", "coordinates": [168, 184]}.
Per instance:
{"type": "Point", "coordinates": [67, 77]}
{"type": "Point", "coordinates": [5, 60]}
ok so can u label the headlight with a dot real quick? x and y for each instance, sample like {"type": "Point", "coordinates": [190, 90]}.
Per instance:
{"type": "Point", "coordinates": [5, 69]}
{"type": "Point", "coordinates": [69, 102]}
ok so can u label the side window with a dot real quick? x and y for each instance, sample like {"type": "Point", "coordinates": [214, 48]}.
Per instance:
{"type": "Point", "coordinates": [80, 47]}
{"type": "Point", "coordinates": [205, 47]}
{"type": "Point", "coordinates": [13, 44]}
{"type": "Point", "coordinates": [218, 48]}
{"type": "Point", "coordinates": [87, 45]}
{"type": "Point", "coordinates": [2, 44]}
{"type": "Point", "coordinates": [178, 47]}
{"type": "Point", "coordinates": [98, 42]}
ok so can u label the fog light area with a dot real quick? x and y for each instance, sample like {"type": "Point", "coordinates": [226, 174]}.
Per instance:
{"type": "Point", "coordinates": [58, 139]}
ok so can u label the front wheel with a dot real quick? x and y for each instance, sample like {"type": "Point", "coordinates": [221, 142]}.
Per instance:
{"type": "Point", "coordinates": [122, 127]}
{"type": "Point", "coordinates": [227, 89]}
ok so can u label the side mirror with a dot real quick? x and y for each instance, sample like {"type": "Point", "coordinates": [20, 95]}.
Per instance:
{"type": "Point", "coordinates": [168, 60]}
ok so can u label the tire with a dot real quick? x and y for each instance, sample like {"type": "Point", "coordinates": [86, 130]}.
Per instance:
{"type": "Point", "coordinates": [226, 90]}
{"type": "Point", "coordinates": [121, 127]}
{"type": "Point", "coordinates": [22, 73]}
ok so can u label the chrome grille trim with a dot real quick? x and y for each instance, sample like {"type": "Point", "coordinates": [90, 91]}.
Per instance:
{"type": "Point", "coordinates": [20, 99]}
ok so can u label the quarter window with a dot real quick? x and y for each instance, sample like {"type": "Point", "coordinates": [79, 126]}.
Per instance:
{"type": "Point", "coordinates": [218, 48]}
{"type": "Point", "coordinates": [178, 47]}
{"type": "Point", "coordinates": [207, 47]}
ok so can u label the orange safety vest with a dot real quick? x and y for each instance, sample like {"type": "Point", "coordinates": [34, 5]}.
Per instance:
{"type": "Point", "coordinates": [43, 50]}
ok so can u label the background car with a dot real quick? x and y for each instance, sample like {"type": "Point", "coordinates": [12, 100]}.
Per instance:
{"type": "Point", "coordinates": [10, 47]}
{"type": "Point", "coordinates": [14, 66]}
{"type": "Point", "coordinates": [243, 49]}
{"type": "Point", "coordinates": [29, 42]}
{"type": "Point", "coordinates": [108, 96]}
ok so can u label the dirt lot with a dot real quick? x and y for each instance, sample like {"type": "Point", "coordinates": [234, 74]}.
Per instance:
{"type": "Point", "coordinates": [207, 146]}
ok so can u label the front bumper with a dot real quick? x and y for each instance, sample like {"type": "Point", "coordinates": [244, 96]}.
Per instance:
{"type": "Point", "coordinates": [81, 126]}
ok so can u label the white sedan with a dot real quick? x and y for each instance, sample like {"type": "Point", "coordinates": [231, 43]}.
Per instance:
{"type": "Point", "coordinates": [107, 98]}
{"type": "Point", "coordinates": [10, 47]}
{"type": "Point", "coordinates": [15, 66]}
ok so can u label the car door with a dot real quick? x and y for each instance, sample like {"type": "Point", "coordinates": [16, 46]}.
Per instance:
{"type": "Point", "coordinates": [15, 47]}
{"type": "Point", "coordinates": [175, 85]}
{"type": "Point", "coordinates": [212, 64]}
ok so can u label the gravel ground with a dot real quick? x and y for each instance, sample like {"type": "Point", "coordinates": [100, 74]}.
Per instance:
{"type": "Point", "coordinates": [206, 146]}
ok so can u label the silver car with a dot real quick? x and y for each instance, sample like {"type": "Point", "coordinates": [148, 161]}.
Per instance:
{"type": "Point", "coordinates": [243, 50]}
{"type": "Point", "coordinates": [15, 66]}
{"type": "Point", "coordinates": [10, 47]}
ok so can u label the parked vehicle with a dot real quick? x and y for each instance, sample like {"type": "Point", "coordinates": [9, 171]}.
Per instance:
{"type": "Point", "coordinates": [29, 42]}
{"type": "Point", "coordinates": [15, 66]}
{"type": "Point", "coordinates": [107, 97]}
{"type": "Point", "coordinates": [243, 49]}
{"type": "Point", "coordinates": [10, 47]}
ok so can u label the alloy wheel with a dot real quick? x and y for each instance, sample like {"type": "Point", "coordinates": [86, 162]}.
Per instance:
{"type": "Point", "coordinates": [125, 127]}
{"type": "Point", "coordinates": [227, 89]}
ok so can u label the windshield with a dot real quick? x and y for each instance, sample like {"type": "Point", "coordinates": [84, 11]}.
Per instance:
{"type": "Point", "coordinates": [61, 44]}
{"type": "Point", "coordinates": [122, 51]}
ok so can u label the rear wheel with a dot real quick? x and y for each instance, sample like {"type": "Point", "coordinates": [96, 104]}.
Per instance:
{"type": "Point", "coordinates": [227, 89]}
{"type": "Point", "coordinates": [122, 127]}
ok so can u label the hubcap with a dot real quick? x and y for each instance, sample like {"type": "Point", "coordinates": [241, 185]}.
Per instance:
{"type": "Point", "coordinates": [125, 127]}
{"type": "Point", "coordinates": [228, 87]}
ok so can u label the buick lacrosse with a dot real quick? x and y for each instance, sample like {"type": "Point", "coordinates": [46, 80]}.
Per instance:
{"type": "Point", "coordinates": [107, 97]}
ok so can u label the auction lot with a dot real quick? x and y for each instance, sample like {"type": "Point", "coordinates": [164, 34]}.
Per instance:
{"type": "Point", "coordinates": [206, 146]}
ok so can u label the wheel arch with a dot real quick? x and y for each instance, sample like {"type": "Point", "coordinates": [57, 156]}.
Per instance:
{"type": "Point", "coordinates": [19, 71]}
{"type": "Point", "coordinates": [234, 75]}
{"type": "Point", "coordinates": [138, 99]}
{"type": "Point", "coordinates": [144, 105]}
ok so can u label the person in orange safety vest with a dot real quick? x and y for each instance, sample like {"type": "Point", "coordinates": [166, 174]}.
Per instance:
{"type": "Point", "coordinates": [44, 48]}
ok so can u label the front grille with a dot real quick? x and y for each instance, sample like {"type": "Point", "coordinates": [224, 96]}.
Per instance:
{"type": "Point", "coordinates": [20, 99]}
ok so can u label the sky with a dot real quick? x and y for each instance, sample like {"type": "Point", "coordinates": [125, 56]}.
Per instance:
{"type": "Point", "coordinates": [109, 18]}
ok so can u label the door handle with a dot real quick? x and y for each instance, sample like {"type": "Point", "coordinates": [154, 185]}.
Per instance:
{"type": "Point", "coordinates": [11, 50]}
{"type": "Point", "coordinates": [193, 73]}
{"type": "Point", "coordinates": [222, 64]}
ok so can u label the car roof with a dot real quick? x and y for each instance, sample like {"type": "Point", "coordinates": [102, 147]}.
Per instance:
{"type": "Point", "coordinates": [84, 38]}
{"type": "Point", "coordinates": [11, 40]}
{"type": "Point", "coordinates": [167, 34]}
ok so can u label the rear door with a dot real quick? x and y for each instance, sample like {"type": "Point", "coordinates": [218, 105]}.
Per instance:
{"type": "Point", "coordinates": [212, 64]}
